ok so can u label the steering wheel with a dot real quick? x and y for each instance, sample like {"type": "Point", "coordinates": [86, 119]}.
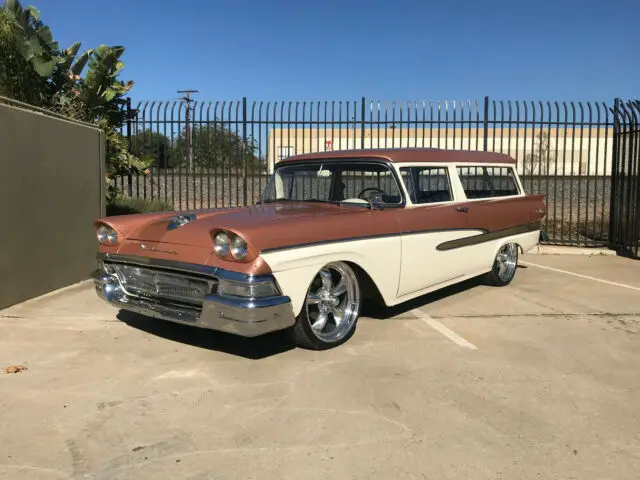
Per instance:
{"type": "Point", "coordinates": [376, 189]}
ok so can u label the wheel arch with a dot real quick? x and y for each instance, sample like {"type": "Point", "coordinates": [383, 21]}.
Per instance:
{"type": "Point", "coordinates": [294, 269]}
{"type": "Point", "coordinates": [295, 282]}
{"type": "Point", "coordinates": [368, 287]}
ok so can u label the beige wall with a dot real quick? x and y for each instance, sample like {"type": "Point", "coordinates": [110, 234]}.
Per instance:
{"type": "Point", "coordinates": [51, 189]}
{"type": "Point", "coordinates": [590, 154]}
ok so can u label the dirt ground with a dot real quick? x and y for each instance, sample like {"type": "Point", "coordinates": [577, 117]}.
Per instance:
{"type": "Point", "coordinates": [537, 380]}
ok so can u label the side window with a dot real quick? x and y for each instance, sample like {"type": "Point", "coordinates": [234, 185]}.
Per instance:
{"type": "Point", "coordinates": [372, 178]}
{"type": "Point", "coordinates": [488, 182]}
{"type": "Point", "coordinates": [427, 184]}
{"type": "Point", "coordinates": [503, 181]}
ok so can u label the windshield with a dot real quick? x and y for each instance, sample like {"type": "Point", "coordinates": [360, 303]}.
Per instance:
{"type": "Point", "coordinates": [333, 181]}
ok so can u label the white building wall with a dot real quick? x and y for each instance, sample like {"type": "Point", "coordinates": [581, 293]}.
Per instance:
{"type": "Point", "coordinates": [573, 156]}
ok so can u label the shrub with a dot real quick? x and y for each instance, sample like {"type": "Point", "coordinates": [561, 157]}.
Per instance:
{"type": "Point", "coordinates": [122, 205]}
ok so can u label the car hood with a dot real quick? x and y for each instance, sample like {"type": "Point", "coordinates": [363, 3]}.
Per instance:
{"type": "Point", "coordinates": [263, 226]}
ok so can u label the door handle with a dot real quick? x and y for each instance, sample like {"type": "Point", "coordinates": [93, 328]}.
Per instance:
{"type": "Point", "coordinates": [462, 209]}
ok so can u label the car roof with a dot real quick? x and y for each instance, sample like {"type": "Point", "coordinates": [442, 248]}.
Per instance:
{"type": "Point", "coordinates": [405, 155]}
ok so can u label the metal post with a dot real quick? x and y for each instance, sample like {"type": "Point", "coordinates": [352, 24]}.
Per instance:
{"type": "Point", "coordinates": [244, 145]}
{"type": "Point", "coordinates": [362, 115]}
{"type": "Point", "coordinates": [187, 139]}
{"type": "Point", "coordinates": [129, 176]}
{"type": "Point", "coordinates": [187, 133]}
{"type": "Point", "coordinates": [486, 122]}
{"type": "Point", "coordinates": [613, 204]}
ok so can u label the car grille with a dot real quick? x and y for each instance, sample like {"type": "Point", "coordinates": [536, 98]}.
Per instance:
{"type": "Point", "coordinates": [163, 285]}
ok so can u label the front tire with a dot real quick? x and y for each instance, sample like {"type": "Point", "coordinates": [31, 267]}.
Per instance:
{"type": "Point", "coordinates": [504, 266]}
{"type": "Point", "coordinates": [331, 308]}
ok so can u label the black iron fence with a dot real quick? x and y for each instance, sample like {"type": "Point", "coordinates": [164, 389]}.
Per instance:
{"type": "Point", "coordinates": [218, 154]}
{"type": "Point", "coordinates": [625, 196]}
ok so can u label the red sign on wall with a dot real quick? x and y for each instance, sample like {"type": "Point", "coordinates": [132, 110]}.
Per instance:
{"type": "Point", "coordinates": [328, 144]}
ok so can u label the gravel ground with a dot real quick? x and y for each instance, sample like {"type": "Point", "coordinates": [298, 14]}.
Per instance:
{"type": "Point", "coordinates": [577, 207]}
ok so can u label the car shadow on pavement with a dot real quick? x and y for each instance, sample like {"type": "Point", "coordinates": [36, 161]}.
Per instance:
{"type": "Point", "coordinates": [251, 348]}
{"type": "Point", "coordinates": [277, 342]}
{"type": "Point", "coordinates": [380, 312]}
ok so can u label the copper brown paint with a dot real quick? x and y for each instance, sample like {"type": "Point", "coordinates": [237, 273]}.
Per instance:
{"type": "Point", "coordinates": [280, 226]}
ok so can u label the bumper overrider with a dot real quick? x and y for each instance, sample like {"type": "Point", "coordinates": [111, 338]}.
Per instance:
{"type": "Point", "coordinates": [191, 294]}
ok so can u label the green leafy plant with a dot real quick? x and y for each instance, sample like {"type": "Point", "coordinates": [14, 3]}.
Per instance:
{"type": "Point", "coordinates": [216, 146]}
{"type": "Point", "coordinates": [37, 72]}
{"type": "Point", "coordinates": [122, 205]}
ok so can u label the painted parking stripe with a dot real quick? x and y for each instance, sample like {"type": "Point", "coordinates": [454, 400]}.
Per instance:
{"type": "Point", "coordinates": [566, 272]}
{"type": "Point", "coordinates": [451, 335]}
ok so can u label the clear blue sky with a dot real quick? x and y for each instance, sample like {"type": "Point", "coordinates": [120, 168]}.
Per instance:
{"type": "Point", "coordinates": [384, 50]}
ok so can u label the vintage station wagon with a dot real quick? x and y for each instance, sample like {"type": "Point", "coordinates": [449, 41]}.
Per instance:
{"type": "Point", "coordinates": [332, 230]}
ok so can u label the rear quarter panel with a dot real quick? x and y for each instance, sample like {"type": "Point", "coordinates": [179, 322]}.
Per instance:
{"type": "Point", "coordinates": [509, 220]}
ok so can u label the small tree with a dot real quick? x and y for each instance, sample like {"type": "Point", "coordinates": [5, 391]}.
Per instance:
{"type": "Point", "coordinates": [214, 146]}
{"type": "Point", "coordinates": [539, 161]}
{"type": "Point", "coordinates": [153, 145]}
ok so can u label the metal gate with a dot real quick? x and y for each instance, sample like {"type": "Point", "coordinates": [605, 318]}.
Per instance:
{"type": "Point", "coordinates": [624, 226]}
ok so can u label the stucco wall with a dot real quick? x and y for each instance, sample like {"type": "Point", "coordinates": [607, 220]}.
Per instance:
{"type": "Point", "coordinates": [51, 189]}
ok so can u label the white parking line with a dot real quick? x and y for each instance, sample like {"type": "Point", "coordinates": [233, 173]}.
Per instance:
{"type": "Point", "coordinates": [616, 284]}
{"type": "Point", "coordinates": [454, 337]}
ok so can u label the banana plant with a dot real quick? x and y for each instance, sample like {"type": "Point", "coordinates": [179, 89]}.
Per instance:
{"type": "Point", "coordinates": [101, 90]}
{"type": "Point", "coordinates": [36, 44]}
{"type": "Point", "coordinates": [98, 97]}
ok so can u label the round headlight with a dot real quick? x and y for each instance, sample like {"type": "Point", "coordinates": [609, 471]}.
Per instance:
{"type": "Point", "coordinates": [238, 248]}
{"type": "Point", "coordinates": [112, 236]}
{"type": "Point", "coordinates": [221, 244]}
{"type": "Point", "coordinates": [107, 235]}
{"type": "Point", "coordinates": [102, 233]}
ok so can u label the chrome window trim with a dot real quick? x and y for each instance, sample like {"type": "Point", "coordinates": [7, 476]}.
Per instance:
{"type": "Point", "coordinates": [358, 159]}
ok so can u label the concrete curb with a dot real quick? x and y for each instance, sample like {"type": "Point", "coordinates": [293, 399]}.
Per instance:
{"type": "Point", "coordinates": [560, 250]}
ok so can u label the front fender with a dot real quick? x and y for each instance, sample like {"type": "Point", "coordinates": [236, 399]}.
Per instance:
{"type": "Point", "coordinates": [295, 268]}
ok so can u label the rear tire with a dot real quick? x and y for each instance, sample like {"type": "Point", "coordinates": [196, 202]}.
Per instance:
{"type": "Point", "coordinates": [504, 266]}
{"type": "Point", "coordinates": [331, 309]}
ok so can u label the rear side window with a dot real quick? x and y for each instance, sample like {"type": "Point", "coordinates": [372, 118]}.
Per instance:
{"type": "Point", "coordinates": [488, 182]}
{"type": "Point", "coordinates": [427, 184]}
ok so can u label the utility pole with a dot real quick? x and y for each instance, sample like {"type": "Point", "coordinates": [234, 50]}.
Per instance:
{"type": "Point", "coordinates": [187, 138]}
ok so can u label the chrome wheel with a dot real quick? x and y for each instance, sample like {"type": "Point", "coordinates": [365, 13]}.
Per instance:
{"type": "Point", "coordinates": [333, 302]}
{"type": "Point", "coordinates": [506, 262]}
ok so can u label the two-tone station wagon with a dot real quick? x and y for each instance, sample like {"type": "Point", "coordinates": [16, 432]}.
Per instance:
{"type": "Point", "coordinates": [333, 230]}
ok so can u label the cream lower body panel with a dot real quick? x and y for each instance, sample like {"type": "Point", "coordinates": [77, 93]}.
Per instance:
{"type": "Point", "coordinates": [482, 255]}
{"type": "Point", "coordinates": [295, 268]}
{"type": "Point", "coordinates": [382, 260]}
{"type": "Point", "coordinates": [475, 260]}
{"type": "Point", "coordinates": [423, 265]}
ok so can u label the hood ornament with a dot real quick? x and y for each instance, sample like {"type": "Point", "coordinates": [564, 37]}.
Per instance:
{"type": "Point", "coordinates": [180, 220]}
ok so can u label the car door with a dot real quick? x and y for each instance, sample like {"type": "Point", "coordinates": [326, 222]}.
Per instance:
{"type": "Point", "coordinates": [433, 219]}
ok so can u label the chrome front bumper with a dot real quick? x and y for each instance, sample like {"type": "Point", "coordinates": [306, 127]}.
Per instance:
{"type": "Point", "coordinates": [245, 316]}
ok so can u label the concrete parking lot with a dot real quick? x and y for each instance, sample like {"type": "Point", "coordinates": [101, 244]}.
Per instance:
{"type": "Point", "coordinates": [538, 380]}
